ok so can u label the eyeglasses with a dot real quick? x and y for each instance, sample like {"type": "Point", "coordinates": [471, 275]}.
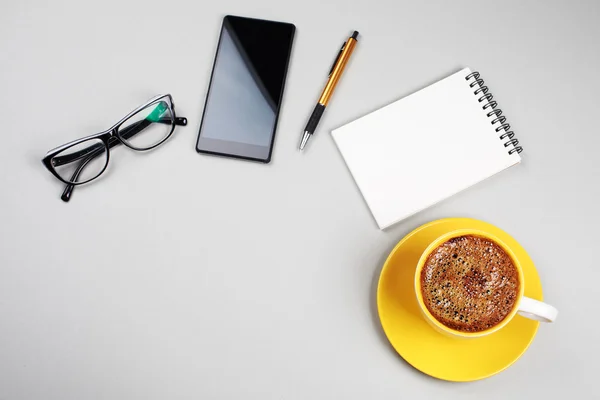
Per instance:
{"type": "Point", "coordinates": [83, 160]}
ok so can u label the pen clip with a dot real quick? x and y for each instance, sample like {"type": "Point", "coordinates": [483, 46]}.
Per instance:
{"type": "Point", "coordinates": [337, 58]}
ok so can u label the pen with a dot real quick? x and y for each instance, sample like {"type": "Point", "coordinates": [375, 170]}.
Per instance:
{"type": "Point", "coordinates": [334, 76]}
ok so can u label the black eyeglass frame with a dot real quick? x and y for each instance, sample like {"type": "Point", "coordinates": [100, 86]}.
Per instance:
{"type": "Point", "coordinates": [111, 137]}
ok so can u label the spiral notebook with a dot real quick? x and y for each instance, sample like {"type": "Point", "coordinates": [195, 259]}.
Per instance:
{"type": "Point", "coordinates": [428, 146]}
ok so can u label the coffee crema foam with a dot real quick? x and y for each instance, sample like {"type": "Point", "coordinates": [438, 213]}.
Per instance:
{"type": "Point", "coordinates": [469, 284]}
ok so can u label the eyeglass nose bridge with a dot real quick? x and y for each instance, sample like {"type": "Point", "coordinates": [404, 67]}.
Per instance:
{"type": "Point", "coordinates": [105, 136]}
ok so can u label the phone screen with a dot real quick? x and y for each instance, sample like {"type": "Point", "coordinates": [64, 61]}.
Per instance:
{"type": "Point", "coordinates": [246, 88]}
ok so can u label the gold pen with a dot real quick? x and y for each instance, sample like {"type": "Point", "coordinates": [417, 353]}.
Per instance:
{"type": "Point", "coordinates": [334, 76]}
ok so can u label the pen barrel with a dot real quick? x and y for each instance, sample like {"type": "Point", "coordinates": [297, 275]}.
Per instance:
{"type": "Point", "coordinates": [338, 69]}
{"type": "Point", "coordinates": [313, 121]}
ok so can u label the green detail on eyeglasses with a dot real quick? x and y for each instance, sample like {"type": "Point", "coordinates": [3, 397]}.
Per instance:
{"type": "Point", "coordinates": [158, 112]}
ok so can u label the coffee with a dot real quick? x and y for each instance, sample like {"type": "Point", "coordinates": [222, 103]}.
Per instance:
{"type": "Point", "coordinates": [469, 284]}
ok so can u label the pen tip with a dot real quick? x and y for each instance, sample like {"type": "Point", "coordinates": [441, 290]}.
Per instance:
{"type": "Point", "coordinates": [305, 138]}
{"type": "Point", "coordinates": [355, 35]}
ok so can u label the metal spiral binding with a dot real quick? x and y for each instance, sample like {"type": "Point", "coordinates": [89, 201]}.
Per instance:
{"type": "Point", "coordinates": [495, 113]}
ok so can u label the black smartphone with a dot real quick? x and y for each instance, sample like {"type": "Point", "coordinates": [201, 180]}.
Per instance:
{"type": "Point", "coordinates": [246, 88]}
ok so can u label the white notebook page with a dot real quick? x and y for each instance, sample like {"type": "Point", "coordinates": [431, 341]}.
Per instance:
{"type": "Point", "coordinates": [422, 149]}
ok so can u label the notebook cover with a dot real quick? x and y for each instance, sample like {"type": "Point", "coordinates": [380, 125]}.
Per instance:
{"type": "Point", "coordinates": [423, 148]}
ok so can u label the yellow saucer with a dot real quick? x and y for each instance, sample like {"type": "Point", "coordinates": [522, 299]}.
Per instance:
{"type": "Point", "coordinates": [430, 352]}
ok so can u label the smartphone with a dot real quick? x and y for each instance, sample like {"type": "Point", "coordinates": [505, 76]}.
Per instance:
{"type": "Point", "coordinates": [246, 88]}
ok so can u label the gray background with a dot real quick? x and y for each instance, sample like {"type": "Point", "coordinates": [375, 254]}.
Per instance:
{"type": "Point", "coordinates": [180, 276]}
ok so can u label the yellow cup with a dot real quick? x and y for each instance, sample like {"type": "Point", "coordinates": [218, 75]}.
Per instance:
{"type": "Point", "coordinates": [524, 306]}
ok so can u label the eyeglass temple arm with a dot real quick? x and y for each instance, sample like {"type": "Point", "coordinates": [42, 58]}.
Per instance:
{"type": "Point", "coordinates": [66, 196]}
{"type": "Point", "coordinates": [125, 133]}
{"type": "Point", "coordinates": [96, 150]}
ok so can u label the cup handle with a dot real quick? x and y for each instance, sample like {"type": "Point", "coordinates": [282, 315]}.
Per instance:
{"type": "Point", "coordinates": [537, 310]}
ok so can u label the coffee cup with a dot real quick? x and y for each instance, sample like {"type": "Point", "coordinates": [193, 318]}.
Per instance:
{"type": "Point", "coordinates": [524, 306]}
